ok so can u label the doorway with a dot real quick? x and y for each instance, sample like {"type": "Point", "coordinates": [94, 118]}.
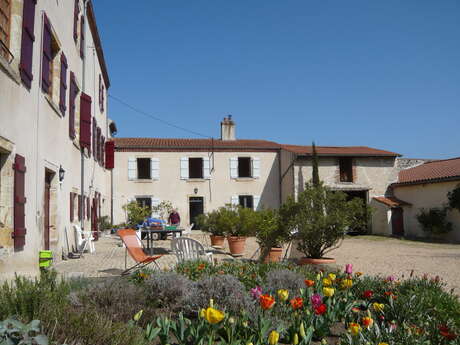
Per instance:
{"type": "Point", "coordinates": [397, 221]}
{"type": "Point", "coordinates": [46, 224]}
{"type": "Point", "coordinates": [196, 207]}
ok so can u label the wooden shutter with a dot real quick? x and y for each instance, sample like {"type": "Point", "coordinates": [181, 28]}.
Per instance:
{"type": "Point", "coordinates": [255, 167]}
{"type": "Point", "coordinates": [102, 151]}
{"type": "Point", "coordinates": [109, 155]}
{"type": "Point", "coordinates": [100, 92]}
{"type": "Point", "coordinates": [72, 96]}
{"type": "Point", "coordinates": [206, 168]}
{"type": "Point", "coordinates": [184, 168]}
{"type": "Point", "coordinates": [46, 55]}
{"type": "Point", "coordinates": [103, 97]}
{"type": "Point", "coordinates": [83, 208]}
{"type": "Point", "coordinates": [132, 168]}
{"type": "Point", "coordinates": [256, 202]}
{"type": "Point", "coordinates": [155, 203]}
{"type": "Point", "coordinates": [27, 42]}
{"type": "Point", "coordinates": [79, 207]}
{"type": "Point", "coordinates": [94, 137]}
{"type": "Point", "coordinates": [96, 148]}
{"type": "Point", "coordinates": [85, 121]}
{"type": "Point", "coordinates": [82, 37]}
{"type": "Point", "coordinates": [71, 206]}
{"type": "Point", "coordinates": [88, 207]}
{"type": "Point", "coordinates": [63, 85]}
{"type": "Point", "coordinates": [75, 21]}
{"type": "Point", "coordinates": [19, 232]}
{"type": "Point", "coordinates": [155, 168]}
{"type": "Point", "coordinates": [234, 167]}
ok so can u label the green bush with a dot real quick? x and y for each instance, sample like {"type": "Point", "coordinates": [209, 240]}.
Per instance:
{"type": "Point", "coordinates": [434, 220]}
{"type": "Point", "coordinates": [454, 198]}
{"type": "Point", "coordinates": [136, 213]}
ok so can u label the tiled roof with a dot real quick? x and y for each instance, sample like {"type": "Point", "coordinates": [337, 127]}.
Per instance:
{"type": "Point", "coordinates": [195, 144]}
{"type": "Point", "coordinates": [391, 201]}
{"type": "Point", "coordinates": [434, 171]}
{"type": "Point", "coordinates": [339, 151]}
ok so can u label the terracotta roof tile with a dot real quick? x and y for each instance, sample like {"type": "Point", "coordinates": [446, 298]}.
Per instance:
{"type": "Point", "coordinates": [431, 172]}
{"type": "Point", "coordinates": [339, 151]}
{"type": "Point", "coordinates": [391, 201]}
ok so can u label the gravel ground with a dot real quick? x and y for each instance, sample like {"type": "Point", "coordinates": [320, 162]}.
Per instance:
{"type": "Point", "coordinates": [369, 254]}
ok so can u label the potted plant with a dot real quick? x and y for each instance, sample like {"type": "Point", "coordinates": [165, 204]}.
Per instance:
{"type": "Point", "coordinates": [228, 221]}
{"type": "Point", "coordinates": [321, 217]}
{"type": "Point", "coordinates": [270, 235]}
{"type": "Point", "coordinates": [208, 223]}
{"type": "Point", "coordinates": [135, 213]}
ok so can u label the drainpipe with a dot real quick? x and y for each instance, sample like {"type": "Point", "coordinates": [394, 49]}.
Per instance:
{"type": "Point", "coordinates": [82, 150]}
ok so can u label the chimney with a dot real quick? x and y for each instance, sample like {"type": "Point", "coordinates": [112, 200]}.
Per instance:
{"type": "Point", "coordinates": [227, 129]}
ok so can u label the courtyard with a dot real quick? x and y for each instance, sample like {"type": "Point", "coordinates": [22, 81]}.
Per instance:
{"type": "Point", "coordinates": [372, 255]}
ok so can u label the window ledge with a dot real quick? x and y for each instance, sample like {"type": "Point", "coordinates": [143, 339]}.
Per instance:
{"type": "Point", "coordinates": [143, 180]}
{"type": "Point", "coordinates": [196, 180]}
{"type": "Point", "coordinates": [244, 179]}
{"type": "Point", "coordinates": [53, 105]}
{"type": "Point", "coordinates": [10, 71]}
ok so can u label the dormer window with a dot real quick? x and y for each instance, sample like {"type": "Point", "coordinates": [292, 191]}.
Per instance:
{"type": "Point", "coordinates": [346, 169]}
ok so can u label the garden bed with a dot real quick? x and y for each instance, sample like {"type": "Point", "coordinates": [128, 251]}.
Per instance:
{"type": "Point", "coordinates": [237, 303]}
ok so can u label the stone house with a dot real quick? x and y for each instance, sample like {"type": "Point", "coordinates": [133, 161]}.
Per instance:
{"type": "Point", "coordinates": [424, 186]}
{"type": "Point", "coordinates": [53, 115]}
{"type": "Point", "coordinates": [196, 175]}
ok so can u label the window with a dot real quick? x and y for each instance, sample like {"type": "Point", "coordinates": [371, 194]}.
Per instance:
{"type": "Point", "coordinates": [346, 169]}
{"type": "Point", "coordinates": [143, 168]}
{"type": "Point", "coordinates": [244, 167]}
{"type": "Point", "coordinates": [195, 167]}
{"type": "Point", "coordinates": [246, 201]}
{"type": "Point", "coordinates": [145, 202]}
{"type": "Point", "coordinates": [5, 20]}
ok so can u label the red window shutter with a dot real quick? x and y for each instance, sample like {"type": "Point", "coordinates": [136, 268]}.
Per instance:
{"type": "Point", "coordinates": [19, 232]}
{"type": "Point", "coordinates": [100, 92]}
{"type": "Point", "coordinates": [97, 149]}
{"type": "Point", "coordinates": [79, 206]}
{"type": "Point", "coordinates": [88, 207]}
{"type": "Point", "coordinates": [82, 37]}
{"type": "Point", "coordinates": [27, 42]}
{"type": "Point", "coordinates": [109, 155]}
{"type": "Point", "coordinates": [71, 206]}
{"type": "Point", "coordinates": [72, 96]}
{"type": "Point", "coordinates": [103, 151]}
{"type": "Point", "coordinates": [85, 121]}
{"type": "Point", "coordinates": [46, 55]}
{"type": "Point", "coordinates": [103, 98]}
{"type": "Point", "coordinates": [94, 138]}
{"type": "Point", "coordinates": [63, 86]}
{"type": "Point", "coordinates": [75, 21]}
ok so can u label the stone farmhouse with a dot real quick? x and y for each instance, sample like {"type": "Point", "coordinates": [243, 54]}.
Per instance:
{"type": "Point", "coordinates": [54, 125]}
{"type": "Point", "coordinates": [200, 175]}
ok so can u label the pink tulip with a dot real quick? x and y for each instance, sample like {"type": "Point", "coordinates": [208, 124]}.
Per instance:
{"type": "Point", "coordinates": [391, 278]}
{"type": "Point", "coordinates": [256, 292]}
{"type": "Point", "coordinates": [349, 269]}
{"type": "Point", "coordinates": [316, 300]}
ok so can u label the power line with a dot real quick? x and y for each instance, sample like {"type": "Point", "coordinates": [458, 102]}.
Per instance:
{"type": "Point", "coordinates": [141, 112]}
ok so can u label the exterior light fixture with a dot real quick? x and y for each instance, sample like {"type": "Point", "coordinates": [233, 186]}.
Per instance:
{"type": "Point", "coordinates": [195, 190]}
{"type": "Point", "coordinates": [61, 174]}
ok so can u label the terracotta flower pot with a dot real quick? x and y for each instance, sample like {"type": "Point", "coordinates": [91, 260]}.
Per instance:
{"type": "Point", "coordinates": [274, 255]}
{"type": "Point", "coordinates": [217, 241]}
{"type": "Point", "coordinates": [236, 245]}
{"type": "Point", "coordinates": [310, 261]}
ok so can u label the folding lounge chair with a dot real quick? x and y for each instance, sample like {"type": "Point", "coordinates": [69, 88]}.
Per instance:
{"type": "Point", "coordinates": [136, 250]}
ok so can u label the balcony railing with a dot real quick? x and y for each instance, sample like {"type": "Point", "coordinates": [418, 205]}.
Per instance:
{"type": "Point", "coordinates": [5, 52]}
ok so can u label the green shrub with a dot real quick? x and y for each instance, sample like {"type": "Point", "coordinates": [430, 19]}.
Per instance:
{"type": "Point", "coordinates": [454, 198]}
{"type": "Point", "coordinates": [434, 220]}
{"type": "Point", "coordinates": [136, 213]}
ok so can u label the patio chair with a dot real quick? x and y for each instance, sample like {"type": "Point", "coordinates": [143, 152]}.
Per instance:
{"type": "Point", "coordinates": [83, 240]}
{"type": "Point", "coordinates": [187, 230]}
{"type": "Point", "coordinates": [136, 250]}
{"type": "Point", "coordinates": [189, 249]}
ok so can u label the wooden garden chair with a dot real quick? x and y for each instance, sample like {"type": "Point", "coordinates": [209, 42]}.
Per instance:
{"type": "Point", "coordinates": [136, 250]}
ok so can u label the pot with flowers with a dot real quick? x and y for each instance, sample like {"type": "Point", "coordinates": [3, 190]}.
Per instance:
{"type": "Point", "coordinates": [270, 234]}
{"type": "Point", "coordinates": [237, 224]}
{"type": "Point", "coordinates": [208, 223]}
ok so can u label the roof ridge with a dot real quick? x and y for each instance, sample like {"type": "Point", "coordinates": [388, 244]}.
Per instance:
{"type": "Point", "coordinates": [438, 160]}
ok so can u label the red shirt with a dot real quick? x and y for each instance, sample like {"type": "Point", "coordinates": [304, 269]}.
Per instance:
{"type": "Point", "coordinates": [174, 218]}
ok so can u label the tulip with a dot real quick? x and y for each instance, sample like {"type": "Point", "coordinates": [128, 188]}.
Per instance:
{"type": "Point", "coordinates": [316, 300]}
{"type": "Point", "coordinates": [367, 321]}
{"type": "Point", "coordinates": [202, 313]}
{"type": "Point", "coordinates": [283, 294]}
{"type": "Point", "coordinates": [213, 316]}
{"type": "Point", "coordinates": [358, 274]}
{"type": "Point", "coordinates": [332, 276]}
{"type": "Point", "coordinates": [266, 301]}
{"type": "Point", "coordinates": [348, 268]}
{"type": "Point", "coordinates": [329, 292]}
{"type": "Point", "coordinates": [347, 283]}
{"type": "Point", "coordinates": [321, 309]}
{"type": "Point", "coordinates": [367, 294]}
{"type": "Point", "coordinates": [378, 306]}
{"type": "Point", "coordinates": [302, 330]}
{"type": "Point", "coordinates": [256, 292]}
{"type": "Point", "coordinates": [354, 328]}
{"type": "Point", "coordinates": [273, 337]}
{"type": "Point", "coordinates": [309, 282]}
{"type": "Point", "coordinates": [295, 339]}
{"type": "Point", "coordinates": [296, 303]}
{"type": "Point", "coordinates": [327, 282]}
{"type": "Point", "coordinates": [382, 343]}
{"type": "Point", "coordinates": [138, 315]}
{"type": "Point", "coordinates": [211, 303]}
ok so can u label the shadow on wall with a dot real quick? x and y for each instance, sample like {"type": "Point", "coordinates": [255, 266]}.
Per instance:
{"type": "Point", "coordinates": [270, 197]}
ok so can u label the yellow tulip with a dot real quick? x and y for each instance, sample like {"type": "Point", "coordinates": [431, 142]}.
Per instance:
{"type": "Point", "coordinates": [378, 306]}
{"type": "Point", "coordinates": [327, 282]}
{"type": "Point", "coordinates": [302, 330]}
{"type": "Point", "coordinates": [347, 283]}
{"type": "Point", "coordinates": [383, 344]}
{"type": "Point", "coordinates": [332, 276]}
{"type": "Point", "coordinates": [213, 315]}
{"type": "Point", "coordinates": [354, 328]}
{"type": "Point", "coordinates": [295, 339]}
{"type": "Point", "coordinates": [202, 313]}
{"type": "Point", "coordinates": [283, 294]}
{"type": "Point", "coordinates": [329, 292]}
{"type": "Point", "coordinates": [273, 337]}
{"type": "Point", "coordinates": [138, 315]}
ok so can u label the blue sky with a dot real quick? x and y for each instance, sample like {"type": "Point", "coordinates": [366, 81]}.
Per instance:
{"type": "Point", "coordinates": [384, 74]}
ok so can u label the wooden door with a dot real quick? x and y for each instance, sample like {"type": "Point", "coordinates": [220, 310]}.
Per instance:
{"type": "Point", "coordinates": [46, 211]}
{"type": "Point", "coordinates": [397, 221]}
{"type": "Point", "coordinates": [196, 208]}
